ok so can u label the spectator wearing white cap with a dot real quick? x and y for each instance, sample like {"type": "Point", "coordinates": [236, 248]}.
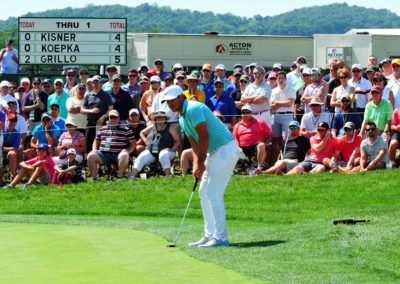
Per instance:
{"type": "Point", "coordinates": [5, 95]}
{"type": "Point", "coordinates": [386, 68]}
{"type": "Point", "coordinates": [257, 95]}
{"type": "Point", "coordinates": [111, 71]}
{"type": "Point", "coordinates": [220, 73]}
{"type": "Point", "coordinates": [310, 121]}
{"type": "Point", "coordinates": [9, 58]}
{"type": "Point", "coordinates": [361, 85]}
{"type": "Point", "coordinates": [317, 89]}
{"type": "Point", "coordinates": [148, 97]}
{"type": "Point", "coordinates": [176, 68]}
{"type": "Point", "coordinates": [136, 126]}
{"type": "Point", "coordinates": [59, 97]}
{"type": "Point", "coordinates": [394, 84]}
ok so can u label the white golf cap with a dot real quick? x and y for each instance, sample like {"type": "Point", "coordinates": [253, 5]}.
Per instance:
{"type": "Point", "coordinates": [172, 92]}
{"type": "Point", "coordinates": [155, 79]}
{"type": "Point", "coordinates": [134, 110]}
{"type": "Point", "coordinates": [307, 71]}
{"type": "Point", "coordinates": [277, 65]}
{"type": "Point", "coordinates": [356, 66]}
{"type": "Point", "coordinates": [25, 80]}
{"type": "Point", "coordinates": [58, 81]}
{"type": "Point", "coordinates": [71, 151]}
{"type": "Point", "coordinates": [5, 84]}
{"type": "Point", "coordinates": [246, 107]}
{"type": "Point", "coordinates": [220, 67]}
{"type": "Point", "coordinates": [177, 66]}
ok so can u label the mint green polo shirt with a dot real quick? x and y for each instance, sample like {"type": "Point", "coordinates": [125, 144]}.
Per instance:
{"type": "Point", "coordinates": [380, 114]}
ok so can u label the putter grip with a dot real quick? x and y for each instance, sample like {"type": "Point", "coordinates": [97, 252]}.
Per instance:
{"type": "Point", "coordinates": [195, 184]}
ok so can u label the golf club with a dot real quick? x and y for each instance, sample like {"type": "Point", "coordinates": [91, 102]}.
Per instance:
{"type": "Point", "coordinates": [184, 215]}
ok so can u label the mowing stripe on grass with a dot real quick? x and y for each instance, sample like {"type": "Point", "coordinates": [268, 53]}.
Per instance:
{"type": "Point", "coordinates": [43, 253]}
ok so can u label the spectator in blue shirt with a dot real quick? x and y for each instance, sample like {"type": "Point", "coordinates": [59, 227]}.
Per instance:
{"type": "Point", "coordinates": [45, 133]}
{"type": "Point", "coordinates": [223, 102]}
{"type": "Point", "coordinates": [159, 68]}
{"type": "Point", "coordinates": [57, 120]}
{"type": "Point", "coordinates": [220, 73]}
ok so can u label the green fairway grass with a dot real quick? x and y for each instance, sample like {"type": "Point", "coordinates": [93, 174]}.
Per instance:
{"type": "Point", "coordinates": [280, 227]}
{"type": "Point", "coordinates": [41, 253]}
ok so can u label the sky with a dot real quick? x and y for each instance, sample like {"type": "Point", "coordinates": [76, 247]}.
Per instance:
{"type": "Point", "coordinates": [256, 7]}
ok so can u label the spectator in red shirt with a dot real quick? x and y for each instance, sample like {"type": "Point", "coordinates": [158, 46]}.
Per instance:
{"type": "Point", "coordinates": [347, 150]}
{"type": "Point", "coordinates": [252, 135]}
{"type": "Point", "coordinates": [322, 147]}
{"type": "Point", "coordinates": [394, 142]}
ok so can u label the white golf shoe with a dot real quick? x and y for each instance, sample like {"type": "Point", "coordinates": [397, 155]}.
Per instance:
{"type": "Point", "coordinates": [202, 241]}
{"type": "Point", "coordinates": [215, 243]}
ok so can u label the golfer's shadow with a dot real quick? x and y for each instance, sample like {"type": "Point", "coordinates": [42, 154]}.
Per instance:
{"type": "Point", "coordinates": [256, 244]}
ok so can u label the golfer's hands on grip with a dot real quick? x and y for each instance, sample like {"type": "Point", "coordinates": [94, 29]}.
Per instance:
{"type": "Point", "coordinates": [198, 171]}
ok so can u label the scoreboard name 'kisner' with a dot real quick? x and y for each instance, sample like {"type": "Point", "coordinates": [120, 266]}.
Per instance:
{"type": "Point", "coordinates": [57, 36]}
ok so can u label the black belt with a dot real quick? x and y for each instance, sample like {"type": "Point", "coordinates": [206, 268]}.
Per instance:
{"type": "Point", "coordinates": [258, 113]}
{"type": "Point", "coordinates": [284, 112]}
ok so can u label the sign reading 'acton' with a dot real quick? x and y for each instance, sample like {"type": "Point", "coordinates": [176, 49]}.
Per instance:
{"type": "Point", "coordinates": [72, 41]}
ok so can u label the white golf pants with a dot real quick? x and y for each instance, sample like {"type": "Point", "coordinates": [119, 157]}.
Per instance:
{"type": "Point", "coordinates": [219, 168]}
{"type": "Point", "coordinates": [146, 158]}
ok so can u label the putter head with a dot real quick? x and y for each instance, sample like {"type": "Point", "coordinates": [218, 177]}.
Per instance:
{"type": "Point", "coordinates": [171, 246]}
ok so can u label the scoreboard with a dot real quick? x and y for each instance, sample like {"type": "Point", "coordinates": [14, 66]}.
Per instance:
{"type": "Point", "coordinates": [82, 41]}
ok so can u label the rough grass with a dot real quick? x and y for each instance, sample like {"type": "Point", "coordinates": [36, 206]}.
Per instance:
{"type": "Point", "coordinates": [280, 227]}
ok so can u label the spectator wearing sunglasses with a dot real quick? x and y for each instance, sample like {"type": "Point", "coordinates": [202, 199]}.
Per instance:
{"type": "Point", "coordinates": [295, 74]}
{"type": "Point", "coordinates": [133, 88]}
{"type": "Point", "coordinates": [159, 68]}
{"type": "Point", "coordinates": [381, 81]}
{"type": "Point", "coordinates": [252, 136]}
{"type": "Point", "coordinates": [374, 150]}
{"type": "Point", "coordinates": [318, 88]}
{"type": "Point", "coordinates": [20, 126]}
{"type": "Point", "coordinates": [220, 74]}
{"type": "Point", "coordinates": [122, 101]}
{"type": "Point", "coordinates": [70, 80]}
{"type": "Point", "coordinates": [207, 83]}
{"type": "Point", "coordinates": [111, 71]}
{"type": "Point", "coordinates": [299, 107]}
{"type": "Point", "coordinates": [237, 94]}
{"type": "Point", "coordinates": [60, 97]}
{"type": "Point", "coordinates": [45, 133]}
{"type": "Point", "coordinates": [96, 106]}
{"type": "Point", "coordinates": [257, 95]}
{"type": "Point", "coordinates": [83, 77]}
{"type": "Point", "coordinates": [113, 144]}
{"type": "Point", "coordinates": [294, 150]}
{"type": "Point", "coordinates": [344, 89]}
{"type": "Point", "coordinates": [361, 85]}
{"type": "Point", "coordinates": [344, 115]}
{"type": "Point", "coordinates": [322, 147]}
{"type": "Point", "coordinates": [47, 86]}
{"type": "Point", "coordinates": [347, 150]}
{"type": "Point", "coordinates": [332, 70]}
{"type": "Point", "coordinates": [394, 83]}
{"type": "Point", "coordinates": [378, 111]}
{"type": "Point", "coordinates": [74, 105]}
{"type": "Point", "coordinates": [5, 95]}
{"type": "Point", "coordinates": [34, 105]}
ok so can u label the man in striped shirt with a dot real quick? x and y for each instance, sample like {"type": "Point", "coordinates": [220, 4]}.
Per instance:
{"type": "Point", "coordinates": [113, 144]}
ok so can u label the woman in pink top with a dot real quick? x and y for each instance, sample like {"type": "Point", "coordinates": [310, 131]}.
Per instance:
{"type": "Point", "coordinates": [70, 139]}
{"type": "Point", "coordinates": [40, 168]}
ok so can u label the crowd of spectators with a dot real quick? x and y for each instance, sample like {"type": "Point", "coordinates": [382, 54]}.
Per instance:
{"type": "Point", "coordinates": [296, 122]}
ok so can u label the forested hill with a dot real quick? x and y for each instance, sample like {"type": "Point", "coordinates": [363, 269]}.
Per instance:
{"type": "Point", "coordinates": [334, 18]}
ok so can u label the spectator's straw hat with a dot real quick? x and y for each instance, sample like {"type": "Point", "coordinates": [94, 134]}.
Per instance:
{"type": "Point", "coordinates": [159, 114]}
{"type": "Point", "coordinates": [316, 101]}
{"type": "Point", "coordinates": [192, 76]}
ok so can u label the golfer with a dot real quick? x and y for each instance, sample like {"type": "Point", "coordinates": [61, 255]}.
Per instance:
{"type": "Point", "coordinates": [215, 154]}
